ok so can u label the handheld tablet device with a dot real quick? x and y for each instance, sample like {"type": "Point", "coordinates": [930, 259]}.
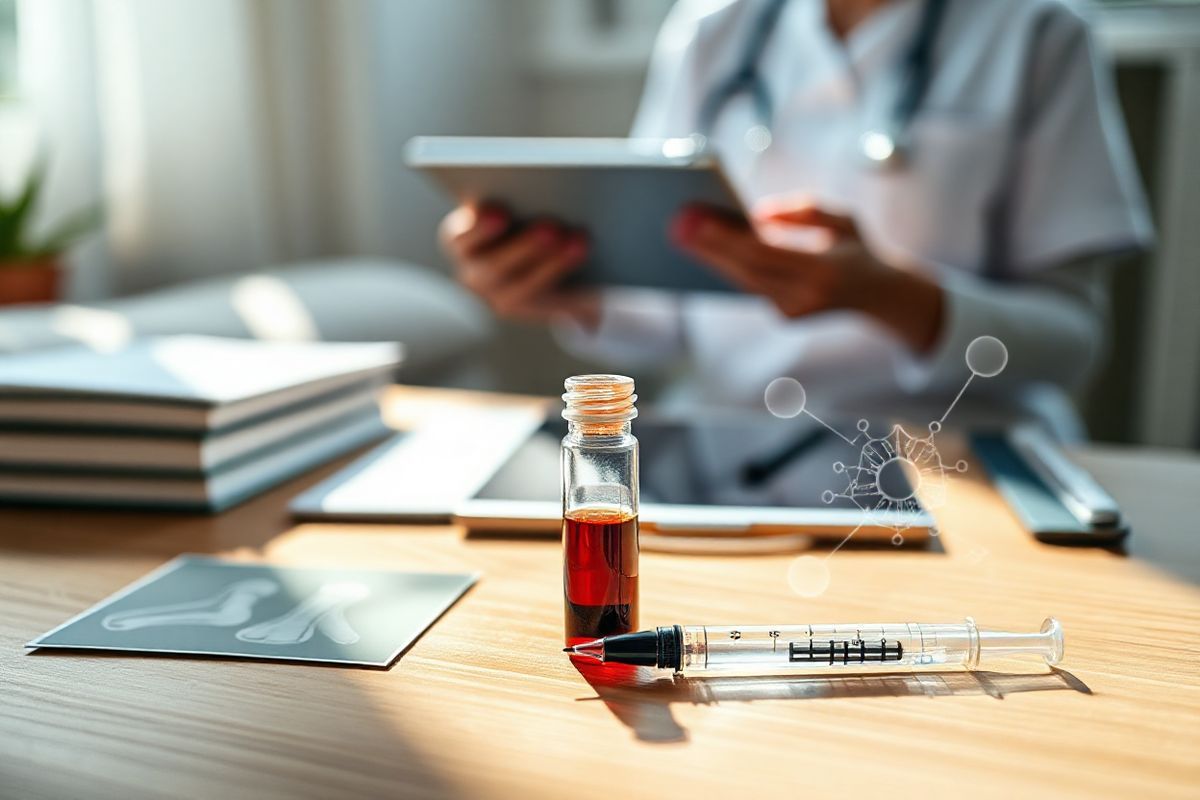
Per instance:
{"type": "Point", "coordinates": [623, 192]}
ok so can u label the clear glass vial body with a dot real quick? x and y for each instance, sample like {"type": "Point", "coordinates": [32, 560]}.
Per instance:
{"type": "Point", "coordinates": [600, 508]}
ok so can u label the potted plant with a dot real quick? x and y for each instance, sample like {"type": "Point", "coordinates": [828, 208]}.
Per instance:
{"type": "Point", "coordinates": [31, 266]}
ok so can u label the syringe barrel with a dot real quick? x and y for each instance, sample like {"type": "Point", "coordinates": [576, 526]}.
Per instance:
{"type": "Point", "coordinates": [855, 647]}
{"type": "Point", "coordinates": [806, 648]}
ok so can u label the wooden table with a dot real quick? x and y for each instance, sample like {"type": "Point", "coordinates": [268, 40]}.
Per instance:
{"type": "Point", "coordinates": [485, 705]}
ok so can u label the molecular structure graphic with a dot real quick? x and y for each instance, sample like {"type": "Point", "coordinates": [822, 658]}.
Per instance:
{"type": "Point", "coordinates": [889, 473]}
{"type": "Point", "coordinates": [891, 470]}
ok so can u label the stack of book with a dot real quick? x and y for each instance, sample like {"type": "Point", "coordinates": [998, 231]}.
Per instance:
{"type": "Point", "coordinates": [186, 422]}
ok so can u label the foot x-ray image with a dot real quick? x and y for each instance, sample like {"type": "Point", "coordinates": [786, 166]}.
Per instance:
{"type": "Point", "coordinates": [206, 606]}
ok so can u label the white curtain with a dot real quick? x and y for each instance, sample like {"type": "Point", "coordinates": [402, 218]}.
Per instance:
{"type": "Point", "coordinates": [225, 135]}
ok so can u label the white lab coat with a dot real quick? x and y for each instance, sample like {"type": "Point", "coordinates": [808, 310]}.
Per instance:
{"type": "Point", "coordinates": [1018, 165]}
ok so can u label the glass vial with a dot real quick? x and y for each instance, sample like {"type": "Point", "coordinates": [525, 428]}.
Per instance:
{"type": "Point", "coordinates": [600, 508]}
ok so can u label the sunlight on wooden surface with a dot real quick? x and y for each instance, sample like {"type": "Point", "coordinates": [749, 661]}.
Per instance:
{"type": "Point", "coordinates": [485, 704]}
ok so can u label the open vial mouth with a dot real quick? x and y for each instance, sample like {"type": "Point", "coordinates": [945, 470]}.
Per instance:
{"type": "Point", "coordinates": [599, 402]}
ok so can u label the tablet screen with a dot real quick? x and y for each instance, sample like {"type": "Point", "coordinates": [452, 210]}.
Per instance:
{"type": "Point", "coordinates": [762, 462]}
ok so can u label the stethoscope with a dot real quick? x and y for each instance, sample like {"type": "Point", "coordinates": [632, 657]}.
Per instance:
{"type": "Point", "coordinates": [886, 145]}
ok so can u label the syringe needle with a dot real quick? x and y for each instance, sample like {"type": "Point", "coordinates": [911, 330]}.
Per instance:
{"type": "Point", "coordinates": [593, 649]}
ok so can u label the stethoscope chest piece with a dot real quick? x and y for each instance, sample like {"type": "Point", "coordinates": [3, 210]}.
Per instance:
{"type": "Point", "coordinates": [758, 138]}
{"type": "Point", "coordinates": [883, 149]}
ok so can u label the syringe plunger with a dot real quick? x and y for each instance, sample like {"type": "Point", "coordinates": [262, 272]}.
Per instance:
{"type": "Point", "coordinates": [1047, 643]}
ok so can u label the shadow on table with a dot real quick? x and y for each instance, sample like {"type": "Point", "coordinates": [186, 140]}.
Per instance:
{"type": "Point", "coordinates": [641, 698]}
{"type": "Point", "coordinates": [199, 726]}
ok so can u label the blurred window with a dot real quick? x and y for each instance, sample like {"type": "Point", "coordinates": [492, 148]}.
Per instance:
{"type": "Point", "coordinates": [8, 49]}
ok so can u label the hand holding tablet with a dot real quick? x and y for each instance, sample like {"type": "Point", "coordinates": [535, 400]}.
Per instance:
{"type": "Point", "coordinates": [601, 212]}
{"type": "Point", "coordinates": [518, 270]}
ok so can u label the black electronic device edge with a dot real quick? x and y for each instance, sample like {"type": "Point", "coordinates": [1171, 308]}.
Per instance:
{"type": "Point", "coordinates": [1033, 503]}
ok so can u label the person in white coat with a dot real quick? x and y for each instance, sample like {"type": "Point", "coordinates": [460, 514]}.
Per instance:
{"type": "Point", "coordinates": [920, 173]}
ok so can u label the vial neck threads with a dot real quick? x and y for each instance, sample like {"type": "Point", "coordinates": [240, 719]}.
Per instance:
{"type": "Point", "coordinates": [599, 405]}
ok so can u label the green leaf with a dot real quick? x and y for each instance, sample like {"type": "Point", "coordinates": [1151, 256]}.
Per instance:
{"type": "Point", "coordinates": [69, 231]}
{"type": "Point", "coordinates": [15, 217]}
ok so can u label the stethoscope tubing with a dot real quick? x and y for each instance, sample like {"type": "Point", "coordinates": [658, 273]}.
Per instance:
{"type": "Point", "coordinates": [885, 146]}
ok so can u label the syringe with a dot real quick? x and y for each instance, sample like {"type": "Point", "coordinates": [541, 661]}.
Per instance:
{"type": "Point", "coordinates": [850, 647]}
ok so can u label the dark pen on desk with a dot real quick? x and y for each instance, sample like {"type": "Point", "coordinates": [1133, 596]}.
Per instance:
{"type": "Point", "coordinates": [758, 471]}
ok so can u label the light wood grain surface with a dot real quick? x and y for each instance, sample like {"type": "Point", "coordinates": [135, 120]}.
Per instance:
{"type": "Point", "coordinates": [485, 705]}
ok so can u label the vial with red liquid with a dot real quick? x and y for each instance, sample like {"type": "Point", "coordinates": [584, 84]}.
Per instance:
{"type": "Point", "coordinates": [600, 508]}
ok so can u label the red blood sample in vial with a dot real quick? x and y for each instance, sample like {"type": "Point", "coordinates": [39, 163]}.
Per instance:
{"type": "Point", "coordinates": [600, 573]}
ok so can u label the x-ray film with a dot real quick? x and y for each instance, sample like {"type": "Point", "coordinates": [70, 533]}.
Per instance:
{"type": "Point", "coordinates": [197, 605]}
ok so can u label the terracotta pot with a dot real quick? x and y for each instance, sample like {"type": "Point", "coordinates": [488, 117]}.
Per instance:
{"type": "Point", "coordinates": [30, 281]}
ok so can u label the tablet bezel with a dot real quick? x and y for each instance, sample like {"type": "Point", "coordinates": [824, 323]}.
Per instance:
{"type": "Point", "coordinates": [537, 516]}
{"type": "Point", "coordinates": [821, 522]}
